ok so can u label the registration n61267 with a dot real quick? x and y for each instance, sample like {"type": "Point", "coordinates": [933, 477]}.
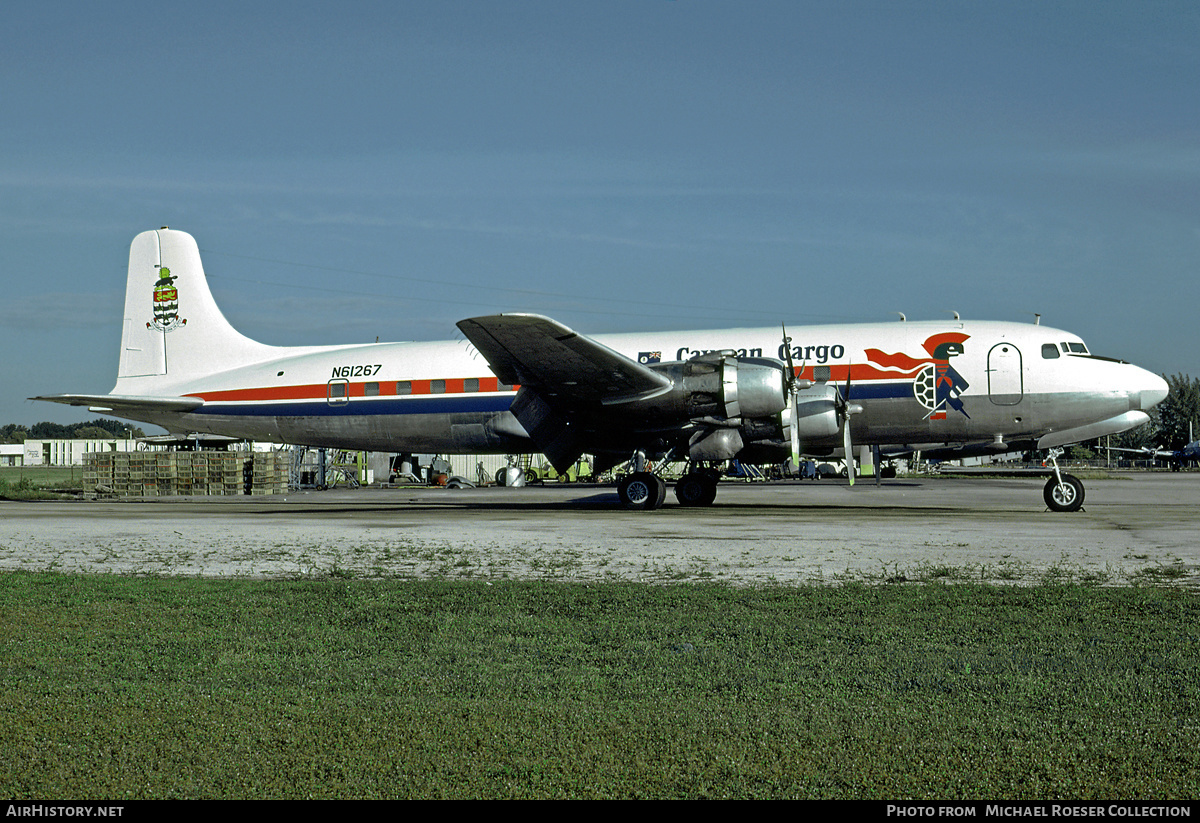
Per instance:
{"type": "Point", "coordinates": [357, 371]}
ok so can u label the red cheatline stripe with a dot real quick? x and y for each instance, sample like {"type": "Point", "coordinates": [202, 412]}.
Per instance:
{"type": "Point", "coordinates": [857, 371]}
{"type": "Point", "coordinates": [319, 391]}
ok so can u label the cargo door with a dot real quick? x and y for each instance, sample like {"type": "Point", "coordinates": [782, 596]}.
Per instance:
{"type": "Point", "coordinates": [1006, 384]}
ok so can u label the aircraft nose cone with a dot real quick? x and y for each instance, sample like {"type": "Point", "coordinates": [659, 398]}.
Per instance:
{"type": "Point", "coordinates": [1151, 391]}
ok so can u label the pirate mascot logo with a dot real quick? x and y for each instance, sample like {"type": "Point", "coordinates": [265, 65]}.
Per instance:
{"type": "Point", "coordinates": [166, 303]}
{"type": "Point", "coordinates": [936, 384]}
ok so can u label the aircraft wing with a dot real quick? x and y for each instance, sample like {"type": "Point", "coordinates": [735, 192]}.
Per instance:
{"type": "Point", "coordinates": [564, 377]}
{"type": "Point", "coordinates": [119, 405]}
{"type": "Point", "coordinates": [566, 368]}
{"type": "Point", "coordinates": [169, 439]}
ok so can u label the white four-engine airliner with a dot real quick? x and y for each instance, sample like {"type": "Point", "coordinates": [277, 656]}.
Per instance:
{"type": "Point", "coordinates": [527, 384]}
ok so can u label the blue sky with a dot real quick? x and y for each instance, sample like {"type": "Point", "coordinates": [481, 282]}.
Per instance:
{"type": "Point", "coordinates": [358, 170]}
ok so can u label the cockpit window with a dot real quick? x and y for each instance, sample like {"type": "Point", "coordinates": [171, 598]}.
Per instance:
{"type": "Point", "coordinates": [1078, 348]}
{"type": "Point", "coordinates": [1049, 351]}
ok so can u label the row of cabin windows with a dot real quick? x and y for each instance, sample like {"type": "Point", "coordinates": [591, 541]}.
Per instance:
{"type": "Point", "coordinates": [1050, 350]}
{"type": "Point", "coordinates": [471, 384]}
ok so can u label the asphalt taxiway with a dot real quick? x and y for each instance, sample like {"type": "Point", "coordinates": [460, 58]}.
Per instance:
{"type": "Point", "coordinates": [1135, 528]}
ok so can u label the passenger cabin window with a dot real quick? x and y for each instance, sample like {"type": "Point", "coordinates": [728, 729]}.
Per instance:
{"type": "Point", "coordinates": [371, 389]}
{"type": "Point", "coordinates": [404, 387]}
{"type": "Point", "coordinates": [471, 384]}
{"type": "Point", "coordinates": [1049, 351]}
{"type": "Point", "coordinates": [437, 386]}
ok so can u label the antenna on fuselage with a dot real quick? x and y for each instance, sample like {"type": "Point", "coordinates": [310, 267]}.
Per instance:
{"type": "Point", "coordinates": [903, 319]}
{"type": "Point", "coordinates": [1037, 319]}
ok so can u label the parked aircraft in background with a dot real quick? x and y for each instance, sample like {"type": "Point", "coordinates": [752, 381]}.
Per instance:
{"type": "Point", "coordinates": [1177, 459]}
{"type": "Point", "coordinates": [525, 383]}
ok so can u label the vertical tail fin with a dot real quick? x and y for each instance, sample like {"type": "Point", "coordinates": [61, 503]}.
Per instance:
{"type": "Point", "coordinates": [173, 328]}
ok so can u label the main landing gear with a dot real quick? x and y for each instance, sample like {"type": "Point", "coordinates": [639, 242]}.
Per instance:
{"type": "Point", "coordinates": [1063, 492]}
{"type": "Point", "coordinates": [697, 488]}
{"type": "Point", "coordinates": [643, 490]}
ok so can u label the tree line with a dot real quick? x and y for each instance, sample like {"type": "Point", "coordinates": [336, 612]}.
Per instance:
{"type": "Point", "coordinates": [98, 429]}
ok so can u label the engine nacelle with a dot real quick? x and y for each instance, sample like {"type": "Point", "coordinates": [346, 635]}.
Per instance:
{"type": "Point", "coordinates": [761, 387]}
{"type": "Point", "coordinates": [722, 386]}
{"type": "Point", "coordinates": [766, 438]}
{"type": "Point", "coordinates": [816, 414]}
{"type": "Point", "coordinates": [723, 402]}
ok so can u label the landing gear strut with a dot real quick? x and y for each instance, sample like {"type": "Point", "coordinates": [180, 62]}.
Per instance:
{"type": "Point", "coordinates": [1063, 492]}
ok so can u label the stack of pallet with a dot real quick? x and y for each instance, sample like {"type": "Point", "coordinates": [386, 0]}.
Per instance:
{"type": "Point", "coordinates": [268, 472]}
{"type": "Point", "coordinates": [98, 472]}
{"type": "Point", "coordinates": [166, 474]}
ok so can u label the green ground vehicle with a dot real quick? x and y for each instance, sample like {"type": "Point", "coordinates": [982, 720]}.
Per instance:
{"type": "Point", "coordinates": [580, 472]}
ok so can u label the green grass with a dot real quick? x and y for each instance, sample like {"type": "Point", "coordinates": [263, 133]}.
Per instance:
{"type": "Point", "coordinates": [118, 687]}
{"type": "Point", "coordinates": [31, 482]}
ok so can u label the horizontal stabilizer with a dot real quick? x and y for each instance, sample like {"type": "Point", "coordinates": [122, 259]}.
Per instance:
{"type": "Point", "coordinates": [125, 405]}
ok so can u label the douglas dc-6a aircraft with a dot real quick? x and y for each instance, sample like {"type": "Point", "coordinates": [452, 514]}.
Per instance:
{"type": "Point", "coordinates": [527, 384]}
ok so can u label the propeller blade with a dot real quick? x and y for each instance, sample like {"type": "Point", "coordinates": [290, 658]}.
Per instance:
{"type": "Point", "coordinates": [847, 409]}
{"type": "Point", "coordinates": [795, 432]}
{"type": "Point", "coordinates": [793, 390]}
{"type": "Point", "coordinates": [849, 368]}
{"type": "Point", "coordinates": [791, 366]}
{"type": "Point", "coordinates": [848, 446]}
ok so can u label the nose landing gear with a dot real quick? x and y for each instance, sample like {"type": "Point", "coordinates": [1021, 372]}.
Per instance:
{"type": "Point", "coordinates": [1063, 492]}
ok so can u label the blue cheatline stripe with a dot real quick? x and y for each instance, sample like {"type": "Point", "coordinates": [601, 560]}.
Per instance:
{"type": "Point", "coordinates": [878, 391]}
{"type": "Point", "coordinates": [436, 404]}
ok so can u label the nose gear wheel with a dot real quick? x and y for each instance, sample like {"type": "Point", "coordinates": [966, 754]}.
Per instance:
{"type": "Point", "coordinates": [1064, 496]}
